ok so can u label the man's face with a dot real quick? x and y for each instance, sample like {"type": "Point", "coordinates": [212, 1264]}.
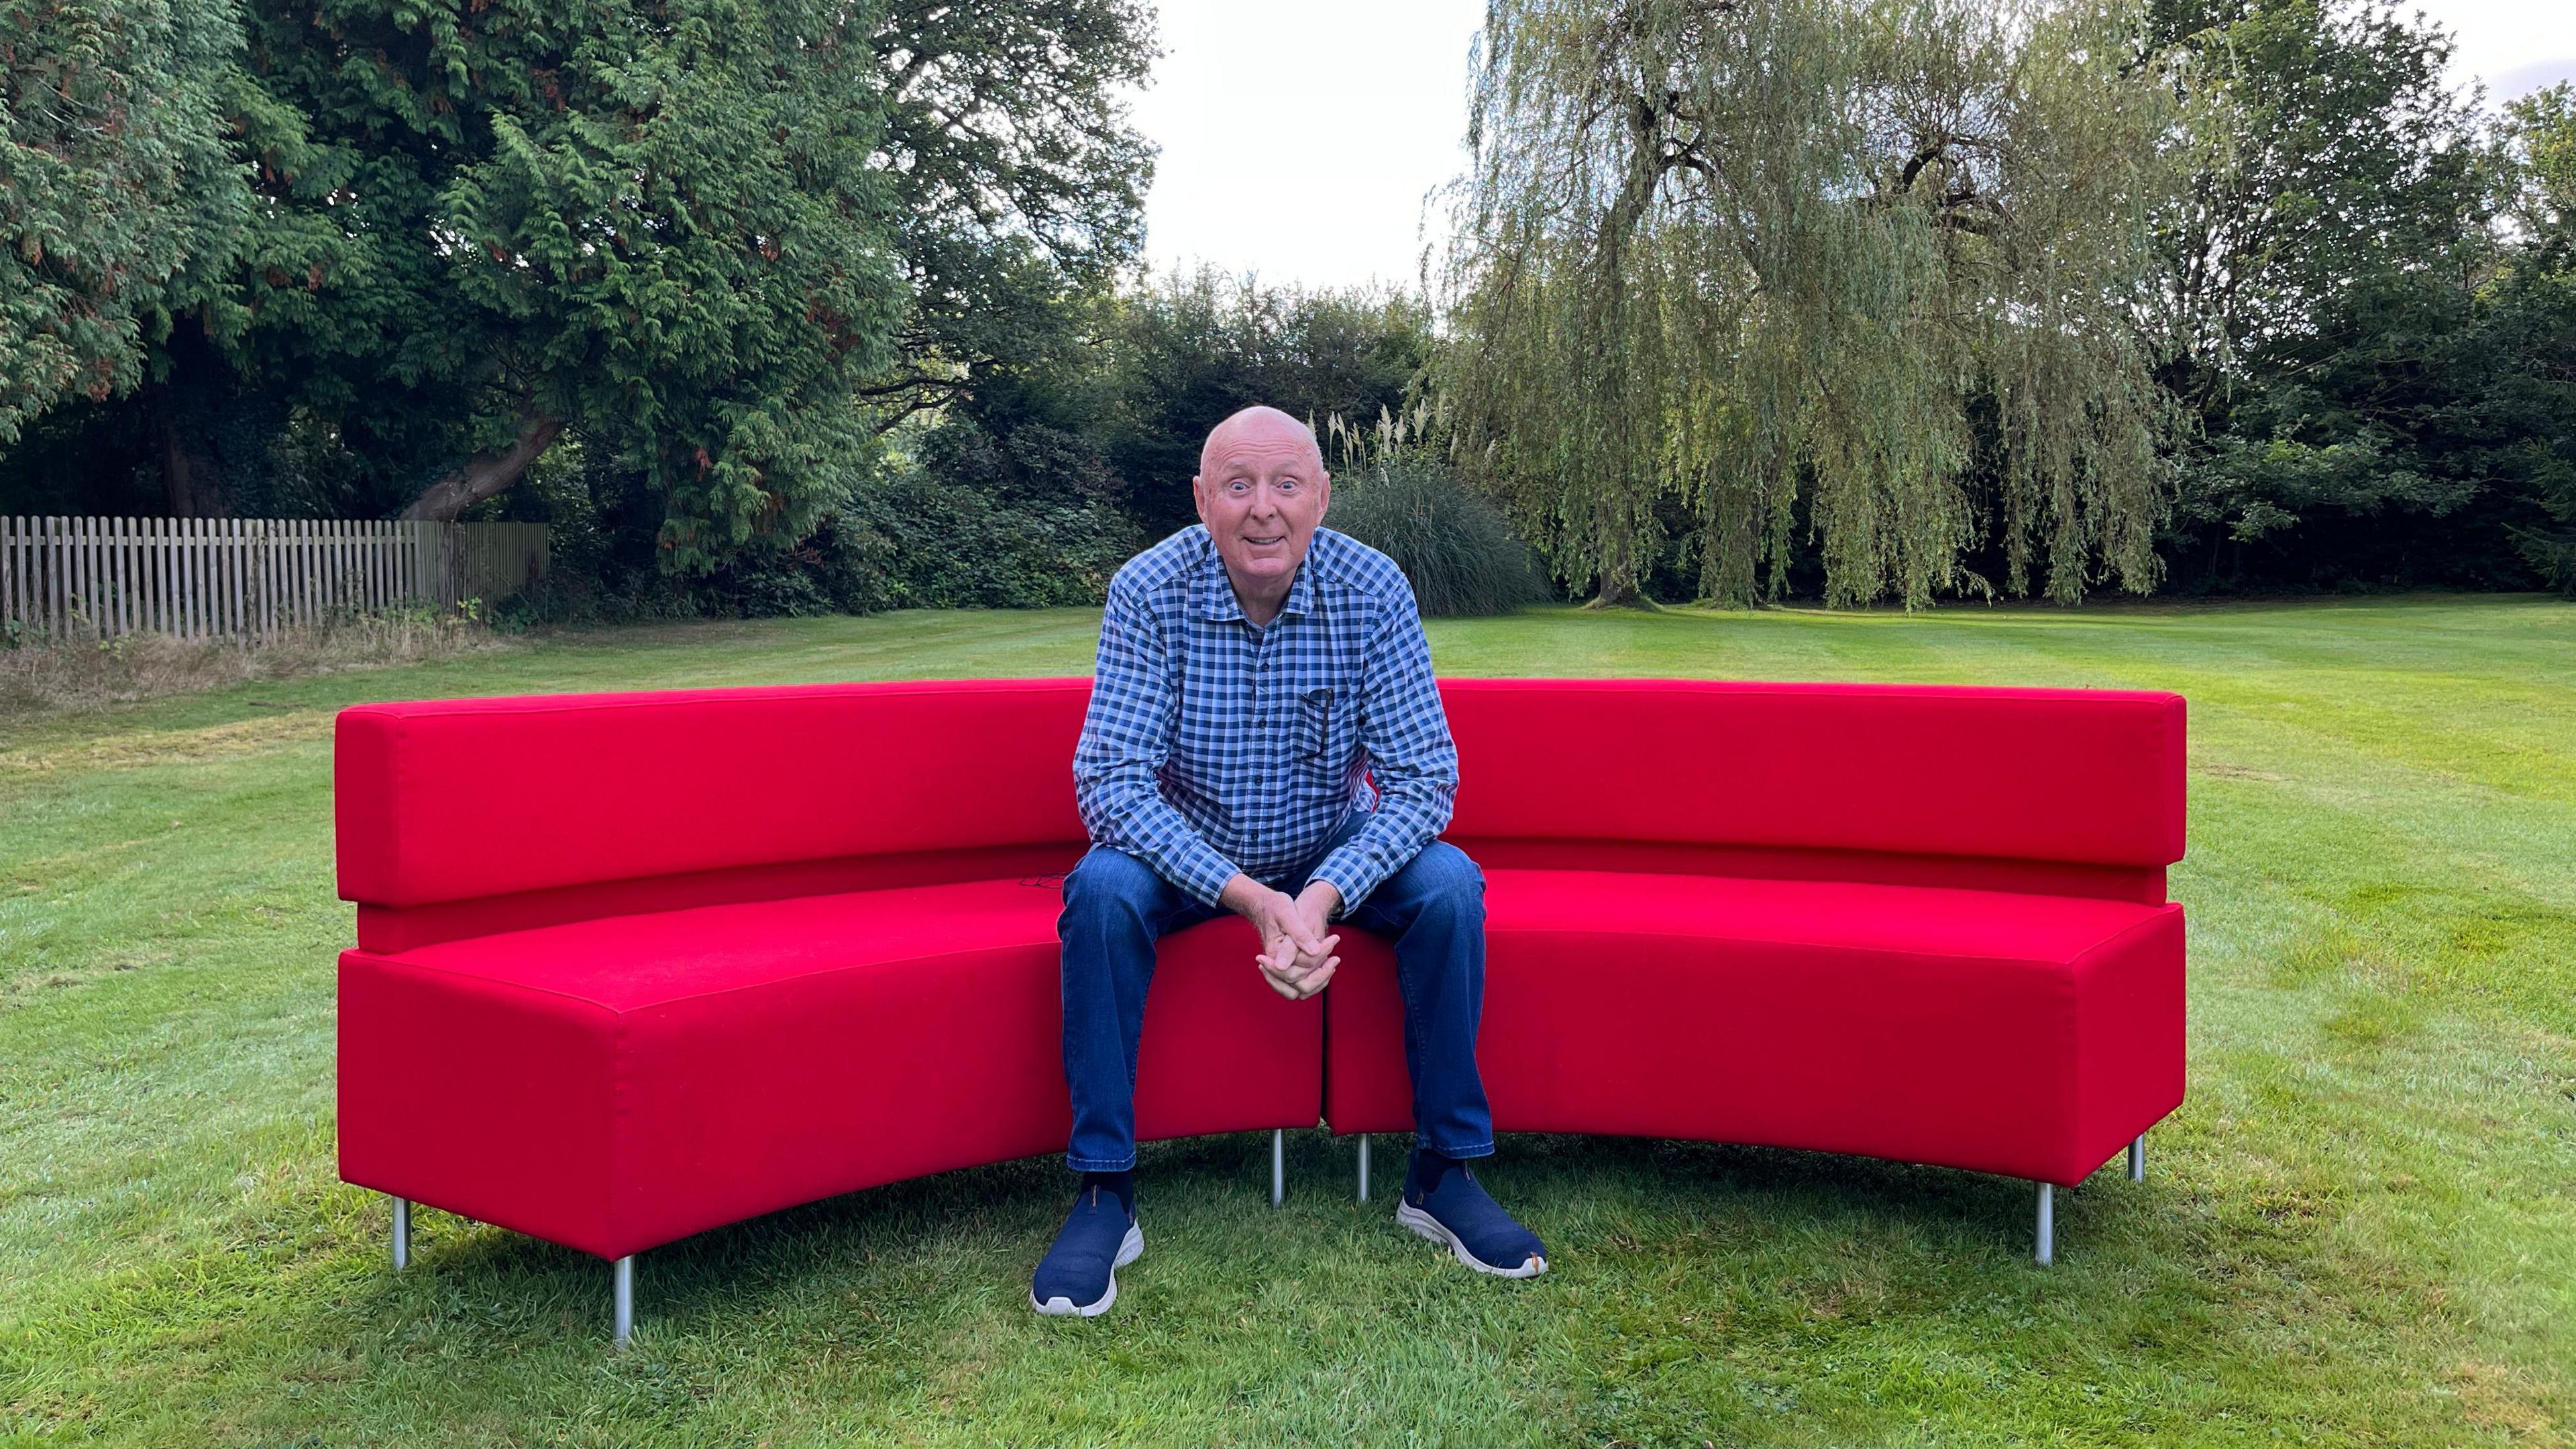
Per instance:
{"type": "Point", "coordinates": [1261, 491]}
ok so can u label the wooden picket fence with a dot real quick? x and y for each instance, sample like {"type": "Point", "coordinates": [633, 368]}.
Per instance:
{"type": "Point", "coordinates": [246, 578]}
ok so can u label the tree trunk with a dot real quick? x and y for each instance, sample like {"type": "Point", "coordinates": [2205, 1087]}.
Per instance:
{"type": "Point", "coordinates": [1617, 588]}
{"type": "Point", "coordinates": [486, 474]}
{"type": "Point", "coordinates": [1619, 593]}
{"type": "Point", "coordinates": [192, 478]}
{"type": "Point", "coordinates": [1631, 484]}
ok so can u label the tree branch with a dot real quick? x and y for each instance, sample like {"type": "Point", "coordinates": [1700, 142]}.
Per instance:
{"type": "Point", "coordinates": [487, 474]}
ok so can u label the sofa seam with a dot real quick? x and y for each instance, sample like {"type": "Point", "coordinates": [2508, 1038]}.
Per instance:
{"type": "Point", "coordinates": [1911, 955]}
{"type": "Point", "coordinates": [2075, 1087]}
{"type": "Point", "coordinates": [623, 1011]}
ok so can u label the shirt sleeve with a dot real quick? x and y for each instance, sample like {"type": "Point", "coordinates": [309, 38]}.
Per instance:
{"type": "Point", "coordinates": [1126, 738]}
{"type": "Point", "coordinates": [1411, 757]}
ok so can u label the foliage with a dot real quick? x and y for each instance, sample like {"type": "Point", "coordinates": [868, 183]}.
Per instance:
{"type": "Point", "coordinates": [926, 544]}
{"type": "Point", "coordinates": [912, 539]}
{"type": "Point", "coordinates": [117, 199]}
{"type": "Point", "coordinates": [2331, 313]}
{"type": "Point", "coordinates": [1022, 185]}
{"type": "Point", "coordinates": [2323, 149]}
{"type": "Point", "coordinates": [1398, 496]}
{"type": "Point", "coordinates": [725, 242]}
{"type": "Point", "coordinates": [1193, 347]}
{"type": "Point", "coordinates": [2539, 295]}
{"type": "Point", "coordinates": [2541, 134]}
{"type": "Point", "coordinates": [2417, 441]}
{"type": "Point", "coordinates": [1838, 298]}
{"type": "Point", "coordinates": [1759, 256]}
{"type": "Point", "coordinates": [659, 222]}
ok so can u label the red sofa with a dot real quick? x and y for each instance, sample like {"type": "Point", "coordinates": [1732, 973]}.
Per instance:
{"type": "Point", "coordinates": [634, 966]}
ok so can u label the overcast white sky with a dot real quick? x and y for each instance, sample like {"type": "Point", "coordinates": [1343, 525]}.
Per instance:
{"type": "Point", "coordinates": [1301, 148]}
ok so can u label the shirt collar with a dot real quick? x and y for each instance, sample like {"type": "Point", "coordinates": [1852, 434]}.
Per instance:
{"type": "Point", "coordinates": [1213, 592]}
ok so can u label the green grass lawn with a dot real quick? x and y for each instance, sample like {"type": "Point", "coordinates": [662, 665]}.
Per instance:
{"type": "Point", "coordinates": [2361, 1228]}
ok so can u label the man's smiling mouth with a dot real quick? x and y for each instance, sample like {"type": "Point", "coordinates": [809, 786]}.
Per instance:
{"type": "Point", "coordinates": [1265, 542]}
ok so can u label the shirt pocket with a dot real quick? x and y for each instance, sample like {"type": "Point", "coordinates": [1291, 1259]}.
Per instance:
{"type": "Point", "coordinates": [1315, 726]}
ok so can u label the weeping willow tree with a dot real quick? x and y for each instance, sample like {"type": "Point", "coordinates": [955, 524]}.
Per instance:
{"type": "Point", "coordinates": [1857, 274]}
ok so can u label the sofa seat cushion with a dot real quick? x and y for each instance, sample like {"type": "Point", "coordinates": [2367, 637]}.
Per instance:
{"type": "Point", "coordinates": [639, 962]}
{"type": "Point", "coordinates": [2021, 1034]}
{"type": "Point", "coordinates": [617, 1083]}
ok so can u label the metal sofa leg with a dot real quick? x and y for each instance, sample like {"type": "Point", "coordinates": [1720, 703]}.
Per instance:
{"type": "Point", "coordinates": [621, 1278]}
{"type": "Point", "coordinates": [2047, 1253]}
{"type": "Point", "coordinates": [402, 1233]}
{"type": "Point", "coordinates": [2138, 1158]}
{"type": "Point", "coordinates": [1278, 1166]}
{"type": "Point", "coordinates": [1364, 1166]}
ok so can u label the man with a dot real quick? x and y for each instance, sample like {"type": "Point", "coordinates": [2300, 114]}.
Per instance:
{"type": "Point", "coordinates": [1256, 675]}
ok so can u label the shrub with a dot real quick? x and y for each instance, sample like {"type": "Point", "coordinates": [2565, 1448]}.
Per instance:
{"type": "Point", "coordinates": [1454, 545]}
{"type": "Point", "coordinates": [917, 542]}
{"type": "Point", "coordinates": [912, 541]}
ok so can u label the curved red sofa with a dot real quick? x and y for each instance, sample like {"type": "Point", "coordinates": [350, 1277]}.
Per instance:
{"type": "Point", "coordinates": [633, 966]}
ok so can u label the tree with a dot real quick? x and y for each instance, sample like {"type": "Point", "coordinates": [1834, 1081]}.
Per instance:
{"type": "Point", "coordinates": [2324, 263]}
{"type": "Point", "coordinates": [2541, 134]}
{"type": "Point", "coordinates": [1190, 348]}
{"type": "Point", "coordinates": [2322, 146]}
{"type": "Point", "coordinates": [1021, 183]}
{"type": "Point", "coordinates": [117, 198]}
{"type": "Point", "coordinates": [1778, 261]}
{"type": "Point", "coordinates": [724, 243]}
{"type": "Point", "coordinates": [657, 222]}
{"type": "Point", "coordinates": [2536, 302]}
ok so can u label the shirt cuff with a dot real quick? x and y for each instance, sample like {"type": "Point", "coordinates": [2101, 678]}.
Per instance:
{"type": "Point", "coordinates": [1352, 874]}
{"type": "Point", "coordinates": [1199, 870]}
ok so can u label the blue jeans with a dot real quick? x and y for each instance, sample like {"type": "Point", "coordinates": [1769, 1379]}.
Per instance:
{"type": "Point", "coordinates": [1116, 907]}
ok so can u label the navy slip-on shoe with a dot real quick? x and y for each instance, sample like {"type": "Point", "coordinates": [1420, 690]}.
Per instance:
{"type": "Point", "coordinates": [1078, 1278]}
{"type": "Point", "coordinates": [1456, 1212]}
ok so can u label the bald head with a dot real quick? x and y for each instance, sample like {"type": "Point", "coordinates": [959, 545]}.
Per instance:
{"type": "Point", "coordinates": [1260, 426]}
{"type": "Point", "coordinates": [1261, 491]}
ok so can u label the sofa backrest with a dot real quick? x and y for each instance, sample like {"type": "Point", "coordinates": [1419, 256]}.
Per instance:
{"type": "Point", "coordinates": [457, 817]}
{"type": "Point", "coordinates": [2068, 791]}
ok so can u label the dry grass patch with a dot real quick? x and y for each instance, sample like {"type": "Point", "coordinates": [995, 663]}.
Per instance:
{"type": "Point", "coordinates": [60, 678]}
{"type": "Point", "coordinates": [163, 747]}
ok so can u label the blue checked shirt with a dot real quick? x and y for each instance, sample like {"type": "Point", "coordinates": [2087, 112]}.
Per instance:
{"type": "Point", "coordinates": [1214, 747]}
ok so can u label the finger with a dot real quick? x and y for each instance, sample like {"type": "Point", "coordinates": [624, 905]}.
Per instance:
{"type": "Point", "coordinates": [1317, 979]}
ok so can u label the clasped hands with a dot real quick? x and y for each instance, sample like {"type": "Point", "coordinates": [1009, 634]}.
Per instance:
{"type": "Point", "coordinates": [1296, 955]}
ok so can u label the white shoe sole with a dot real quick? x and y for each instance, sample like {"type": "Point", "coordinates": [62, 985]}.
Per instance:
{"type": "Point", "coordinates": [1431, 1227]}
{"type": "Point", "coordinates": [1130, 1249]}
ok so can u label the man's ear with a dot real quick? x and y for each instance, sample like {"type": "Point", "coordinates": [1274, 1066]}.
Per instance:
{"type": "Point", "coordinates": [1198, 496]}
{"type": "Point", "coordinates": [1324, 493]}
